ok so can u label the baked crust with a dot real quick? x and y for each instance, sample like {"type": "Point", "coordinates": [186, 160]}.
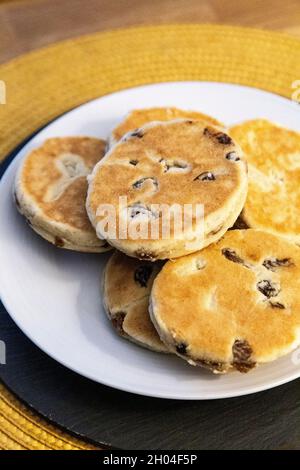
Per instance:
{"type": "Point", "coordinates": [127, 285]}
{"type": "Point", "coordinates": [176, 162]}
{"type": "Point", "coordinates": [232, 305]}
{"type": "Point", "coordinates": [273, 156]}
{"type": "Point", "coordinates": [50, 191]}
{"type": "Point", "coordinates": [139, 117]}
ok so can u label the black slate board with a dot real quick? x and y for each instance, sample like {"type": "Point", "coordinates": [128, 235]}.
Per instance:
{"type": "Point", "coordinates": [267, 420]}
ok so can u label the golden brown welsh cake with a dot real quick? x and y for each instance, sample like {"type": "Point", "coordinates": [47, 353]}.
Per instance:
{"type": "Point", "coordinates": [233, 305]}
{"type": "Point", "coordinates": [50, 191]}
{"type": "Point", "coordinates": [127, 285]}
{"type": "Point", "coordinates": [140, 117]}
{"type": "Point", "coordinates": [273, 155]}
{"type": "Point", "coordinates": [181, 162]}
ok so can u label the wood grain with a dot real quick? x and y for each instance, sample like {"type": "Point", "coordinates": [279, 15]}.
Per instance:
{"type": "Point", "coordinates": [29, 24]}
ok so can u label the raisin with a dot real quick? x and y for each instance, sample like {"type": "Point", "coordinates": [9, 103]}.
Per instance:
{"type": "Point", "coordinates": [139, 183]}
{"type": "Point", "coordinates": [233, 156]}
{"type": "Point", "coordinates": [137, 133]}
{"type": "Point", "coordinates": [59, 242]}
{"type": "Point", "coordinates": [181, 348]}
{"type": "Point", "coordinates": [224, 139]}
{"type": "Point", "coordinates": [231, 255]}
{"type": "Point", "coordinates": [171, 164]}
{"type": "Point", "coordinates": [136, 210]}
{"type": "Point", "coordinates": [206, 176]}
{"type": "Point", "coordinates": [267, 288]}
{"type": "Point", "coordinates": [221, 137]}
{"type": "Point", "coordinates": [277, 305]}
{"type": "Point", "coordinates": [273, 263]}
{"type": "Point", "coordinates": [242, 351]}
{"type": "Point", "coordinates": [208, 132]}
{"type": "Point", "coordinates": [142, 274]}
{"type": "Point", "coordinates": [133, 162]}
{"type": "Point", "coordinates": [117, 321]}
{"type": "Point", "coordinates": [211, 365]}
{"type": "Point", "coordinates": [140, 209]}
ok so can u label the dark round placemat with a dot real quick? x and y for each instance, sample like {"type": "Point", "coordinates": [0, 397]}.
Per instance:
{"type": "Point", "coordinates": [267, 420]}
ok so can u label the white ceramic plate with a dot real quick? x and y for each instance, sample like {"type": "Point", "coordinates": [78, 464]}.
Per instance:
{"type": "Point", "coordinates": [53, 295]}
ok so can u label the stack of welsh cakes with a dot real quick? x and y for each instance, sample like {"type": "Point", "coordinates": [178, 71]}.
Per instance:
{"type": "Point", "coordinates": [204, 225]}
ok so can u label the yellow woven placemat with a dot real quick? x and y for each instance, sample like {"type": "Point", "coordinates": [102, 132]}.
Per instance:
{"type": "Point", "coordinates": [21, 429]}
{"type": "Point", "coordinates": [46, 83]}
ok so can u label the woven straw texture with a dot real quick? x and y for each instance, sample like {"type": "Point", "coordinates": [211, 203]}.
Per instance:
{"type": "Point", "coordinates": [21, 429]}
{"type": "Point", "coordinates": [43, 84]}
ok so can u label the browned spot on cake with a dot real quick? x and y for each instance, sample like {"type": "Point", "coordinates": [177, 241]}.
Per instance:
{"type": "Point", "coordinates": [145, 255]}
{"type": "Point", "coordinates": [277, 305]}
{"type": "Point", "coordinates": [212, 365]}
{"type": "Point", "coordinates": [117, 321]}
{"type": "Point", "coordinates": [137, 133]}
{"type": "Point", "coordinates": [181, 348]}
{"type": "Point", "coordinates": [273, 263]}
{"type": "Point", "coordinates": [242, 352]}
{"type": "Point", "coordinates": [59, 242]}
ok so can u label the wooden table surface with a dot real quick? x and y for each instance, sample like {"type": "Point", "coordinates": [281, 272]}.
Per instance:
{"type": "Point", "coordinates": [29, 24]}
